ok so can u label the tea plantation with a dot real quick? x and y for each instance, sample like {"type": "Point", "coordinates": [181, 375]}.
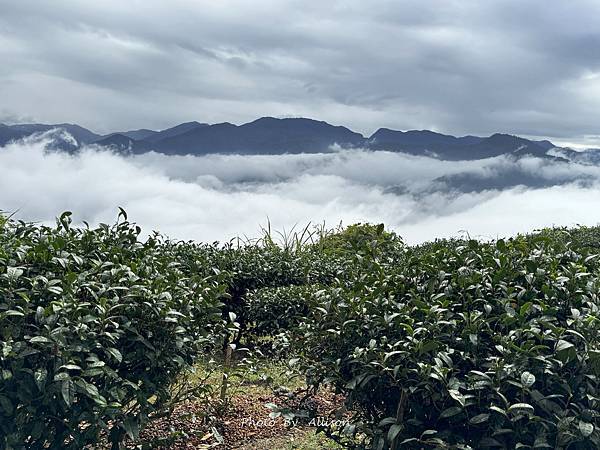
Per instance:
{"type": "Point", "coordinates": [454, 344]}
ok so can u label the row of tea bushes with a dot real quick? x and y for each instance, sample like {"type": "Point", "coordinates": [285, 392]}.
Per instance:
{"type": "Point", "coordinates": [95, 325]}
{"type": "Point", "coordinates": [451, 344]}
{"type": "Point", "coordinates": [463, 344]}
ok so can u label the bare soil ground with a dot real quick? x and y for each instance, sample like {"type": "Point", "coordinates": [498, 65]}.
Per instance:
{"type": "Point", "coordinates": [246, 424]}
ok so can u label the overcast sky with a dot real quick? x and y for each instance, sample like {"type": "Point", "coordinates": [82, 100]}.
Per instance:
{"type": "Point", "coordinates": [526, 67]}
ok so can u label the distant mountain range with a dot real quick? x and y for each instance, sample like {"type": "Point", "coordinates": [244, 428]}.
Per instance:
{"type": "Point", "coordinates": [269, 135]}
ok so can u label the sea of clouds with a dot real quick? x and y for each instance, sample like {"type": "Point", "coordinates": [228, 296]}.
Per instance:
{"type": "Point", "coordinates": [218, 197]}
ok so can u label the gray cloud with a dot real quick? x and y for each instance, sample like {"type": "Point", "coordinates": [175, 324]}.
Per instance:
{"type": "Point", "coordinates": [531, 68]}
{"type": "Point", "coordinates": [222, 196]}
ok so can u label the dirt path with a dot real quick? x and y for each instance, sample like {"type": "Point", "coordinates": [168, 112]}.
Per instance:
{"type": "Point", "coordinates": [245, 425]}
{"type": "Point", "coordinates": [298, 438]}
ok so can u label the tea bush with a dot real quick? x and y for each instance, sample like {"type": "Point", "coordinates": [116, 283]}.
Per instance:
{"type": "Point", "coordinates": [95, 325]}
{"type": "Point", "coordinates": [248, 269]}
{"type": "Point", "coordinates": [281, 309]}
{"type": "Point", "coordinates": [263, 279]}
{"type": "Point", "coordinates": [583, 239]}
{"type": "Point", "coordinates": [360, 238]}
{"type": "Point", "coordinates": [463, 345]}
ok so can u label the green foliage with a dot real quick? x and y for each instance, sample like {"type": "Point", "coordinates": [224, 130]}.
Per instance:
{"type": "Point", "coordinates": [463, 344]}
{"type": "Point", "coordinates": [584, 239]}
{"type": "Point", "coordinates": [275, 310]}
{"type": "Point", "coordinates": [450, 344]}
{"type": "Point", "coordinates": [360, 238]}
{"type": "Point", "coordinates": [95, 325]}
{"type": "Point", "coordinates": [246, 270]}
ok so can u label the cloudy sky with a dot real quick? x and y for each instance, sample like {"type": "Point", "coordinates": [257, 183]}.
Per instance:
{"type": "Point", "coordinates": [526, 67]}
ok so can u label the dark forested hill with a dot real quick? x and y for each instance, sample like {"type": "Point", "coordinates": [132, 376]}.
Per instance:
{"type": "Point", "coordinates": [269, 135]}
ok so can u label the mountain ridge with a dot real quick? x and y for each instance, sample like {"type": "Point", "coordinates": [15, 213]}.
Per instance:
{"type": "Point", "coordinates": [270, 135]}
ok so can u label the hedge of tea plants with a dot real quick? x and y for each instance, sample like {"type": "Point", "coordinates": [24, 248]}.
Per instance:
{"type": "Point", "coordinates": [464, 344]}
{"type": "Point", "coordinates": [450, 344]}
{"type": "Point", "coordinates": [261, 281]}
{"type": "Point", "coordinates": [95, 325]}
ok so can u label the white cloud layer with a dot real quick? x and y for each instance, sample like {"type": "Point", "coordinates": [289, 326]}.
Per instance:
{"type": "Point", "coordinates": [218, 197]}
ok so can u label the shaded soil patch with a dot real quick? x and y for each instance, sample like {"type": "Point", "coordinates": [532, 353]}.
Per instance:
{"type": "Point", "coordinates": [245, 424]}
